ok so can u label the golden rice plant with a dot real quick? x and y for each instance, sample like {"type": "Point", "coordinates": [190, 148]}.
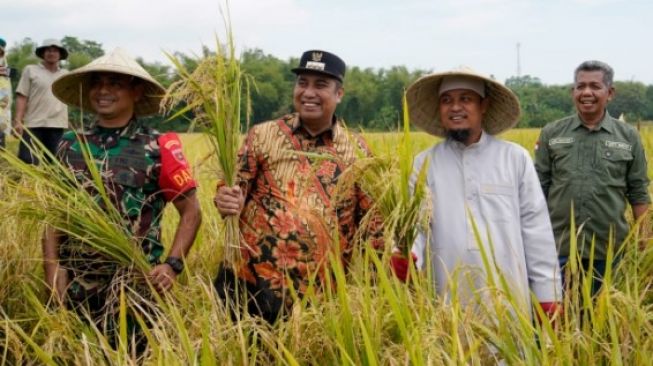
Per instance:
{"type": "Point", "coordinates": [398, 191]}
{"type": "Point", "coordinates": [214, 93]}
{"type": "Point", "coordinates": [369, 318]}
{"type": "Point", "coordinates": [51, 194]}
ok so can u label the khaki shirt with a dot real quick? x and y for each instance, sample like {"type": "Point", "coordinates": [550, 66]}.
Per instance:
{"type": "Point", "coordinates": [43, 108]}
{"type": "Point", "coordinates": [595, 170]}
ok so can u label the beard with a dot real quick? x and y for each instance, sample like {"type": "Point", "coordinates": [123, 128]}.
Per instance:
{"type": "Point", "coordinates": [460, 135]}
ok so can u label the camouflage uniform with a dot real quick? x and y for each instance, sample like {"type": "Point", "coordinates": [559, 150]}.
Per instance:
{"type": "Point", "coordinates": [129, 160]}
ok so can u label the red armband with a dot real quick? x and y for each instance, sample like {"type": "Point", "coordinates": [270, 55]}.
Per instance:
{"type": "Point", "coordinates": [175, 177]}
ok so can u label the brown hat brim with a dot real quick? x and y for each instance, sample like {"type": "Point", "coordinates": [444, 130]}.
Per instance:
{"type": "Point", "coordinates": [62, 51]}
{"type": "Point", "coordinates": [72, 88]}
{"type": "Point", "coordinates": [423, 103]}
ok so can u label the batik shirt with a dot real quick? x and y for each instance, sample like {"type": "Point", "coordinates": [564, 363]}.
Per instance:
{"type": "Point", "coordinates": [293, 217]}
{"type": "Point", "coordinates": [141, 171]}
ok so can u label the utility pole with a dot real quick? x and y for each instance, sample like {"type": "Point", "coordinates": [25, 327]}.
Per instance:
{"type": "Point", "coordinates": [518, 60]}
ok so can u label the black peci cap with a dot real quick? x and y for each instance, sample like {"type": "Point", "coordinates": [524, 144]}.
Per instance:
{"type": "Point", "coordinates": [321, 62]}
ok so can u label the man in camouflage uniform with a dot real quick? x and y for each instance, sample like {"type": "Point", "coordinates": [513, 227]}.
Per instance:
{"type": "Point", "coordinates": [141, 170]}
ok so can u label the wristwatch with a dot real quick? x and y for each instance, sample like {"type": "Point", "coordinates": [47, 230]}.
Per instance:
{"type": "Point", "coordinates": [175, 263]}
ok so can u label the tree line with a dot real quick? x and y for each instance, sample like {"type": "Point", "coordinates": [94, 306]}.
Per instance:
{"type": "Point", "coordinates": [545, 103]}
{"type": "Point", "coordinates": [373, 96]}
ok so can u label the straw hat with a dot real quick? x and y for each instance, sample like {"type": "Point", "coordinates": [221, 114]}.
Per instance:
{"type": "Point", "coordinates": [69, 86]}
{"type": "Point", "coordinates": [423, 103]}
{"type": "Point", "coordinates": [51, 43]}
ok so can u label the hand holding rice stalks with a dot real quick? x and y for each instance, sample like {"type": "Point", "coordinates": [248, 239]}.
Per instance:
{"type": "Point", "coordinates": [52, 194]}
{"type": "Point", "coordinates": [213, 92]}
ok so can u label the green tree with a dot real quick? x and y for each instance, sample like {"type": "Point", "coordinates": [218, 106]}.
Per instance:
{"type": "Point", "coordinates": [91, 48]}
{"type": "Point", "coordinates": [519, 82]}
{"type": "Point", "coordinates": [649, 103]}
{"type": "Point", "coordinates": [160, 72]}
{"type": "Point", "coordinates": [81, 52]}
{"type": "Point", "coordinates": [392, 84]}
{"type": "Point", "coordinates": [165, 76]}
{"type": "Point", "coordinates": [630, 99]}
{"type": "Point", "coordinates": [359, 103]}
{"type": "Point", "coordinates": [271, 95]}
{"type": "Point", "coordinates": [77, 59]}
{"type": "Point", "coordinates": [540, 104]}
{"type": "Point", "coordinates": [18, 56]}
{"type": "Point", "coordinates": [22, 54]}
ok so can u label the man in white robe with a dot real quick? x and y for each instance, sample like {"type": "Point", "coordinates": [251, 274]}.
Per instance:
{"type": "Point", "coordinates": [477, 180]}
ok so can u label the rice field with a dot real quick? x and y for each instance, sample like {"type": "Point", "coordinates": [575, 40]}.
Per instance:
{"type": "Point", "coordinates": [369, 318]}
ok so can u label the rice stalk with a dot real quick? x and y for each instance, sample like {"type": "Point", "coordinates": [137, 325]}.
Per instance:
{"type": "Point", "coordinates": [399, 192]}
{"type": "Point", "coordinates": [444, 330]}
{"type": "Point", "coordinates": [214, 92]}
{"type": "Point", "coordinates": [53, 195]}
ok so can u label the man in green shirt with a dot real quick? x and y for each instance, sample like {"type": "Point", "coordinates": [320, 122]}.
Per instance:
{"type": "Point", "coordinates": [596, 163]}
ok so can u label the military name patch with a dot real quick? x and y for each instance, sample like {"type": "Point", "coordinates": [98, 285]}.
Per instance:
{"type": "Point", "coordinates": [561, 140]}
{"type": "Point", "coordinates": [618, 145]}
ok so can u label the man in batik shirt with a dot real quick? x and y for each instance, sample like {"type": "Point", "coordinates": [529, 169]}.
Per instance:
{"type": "Point", "coordinates": [291, 218]}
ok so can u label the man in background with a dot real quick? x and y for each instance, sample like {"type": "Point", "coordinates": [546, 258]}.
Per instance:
{"type": "Point", "coordinates": [37, 109]}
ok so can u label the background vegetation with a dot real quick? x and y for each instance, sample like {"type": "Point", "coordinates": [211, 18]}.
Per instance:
{"type": "Point", "coordinates": [373, 99]}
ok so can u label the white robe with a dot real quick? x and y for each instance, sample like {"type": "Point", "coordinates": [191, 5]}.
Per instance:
{"type": "Point", "coordinates": [494, 181]}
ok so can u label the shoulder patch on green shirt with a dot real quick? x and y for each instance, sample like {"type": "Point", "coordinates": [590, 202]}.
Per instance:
{"type": "Point", "coordinates": [561, 140]}
{"type": "Point", "coordinates": [618, 145]}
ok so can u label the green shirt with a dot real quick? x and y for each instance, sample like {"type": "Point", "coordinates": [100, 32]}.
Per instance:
{"type": "Point", "coordinates": [597, 170]}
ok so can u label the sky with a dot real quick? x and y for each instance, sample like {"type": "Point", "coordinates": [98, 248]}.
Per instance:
{"type": "Point", "coordinates": [554, 36]}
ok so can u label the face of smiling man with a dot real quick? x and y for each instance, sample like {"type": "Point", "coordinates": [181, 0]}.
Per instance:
{"type": "Point", "coordinates": [591, 96]}
{"type": "Point", "coordinates": [112, 97]}
{"type": "Point", "coordinates": [462, 110]}
{"type": "Point", "coordinates": [315, 98]}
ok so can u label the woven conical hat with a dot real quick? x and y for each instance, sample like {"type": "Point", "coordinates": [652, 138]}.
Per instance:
{"type": "Point", "coordinates": [72, 88]}
{"type": "Point", "coordinates": [423, 103]}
